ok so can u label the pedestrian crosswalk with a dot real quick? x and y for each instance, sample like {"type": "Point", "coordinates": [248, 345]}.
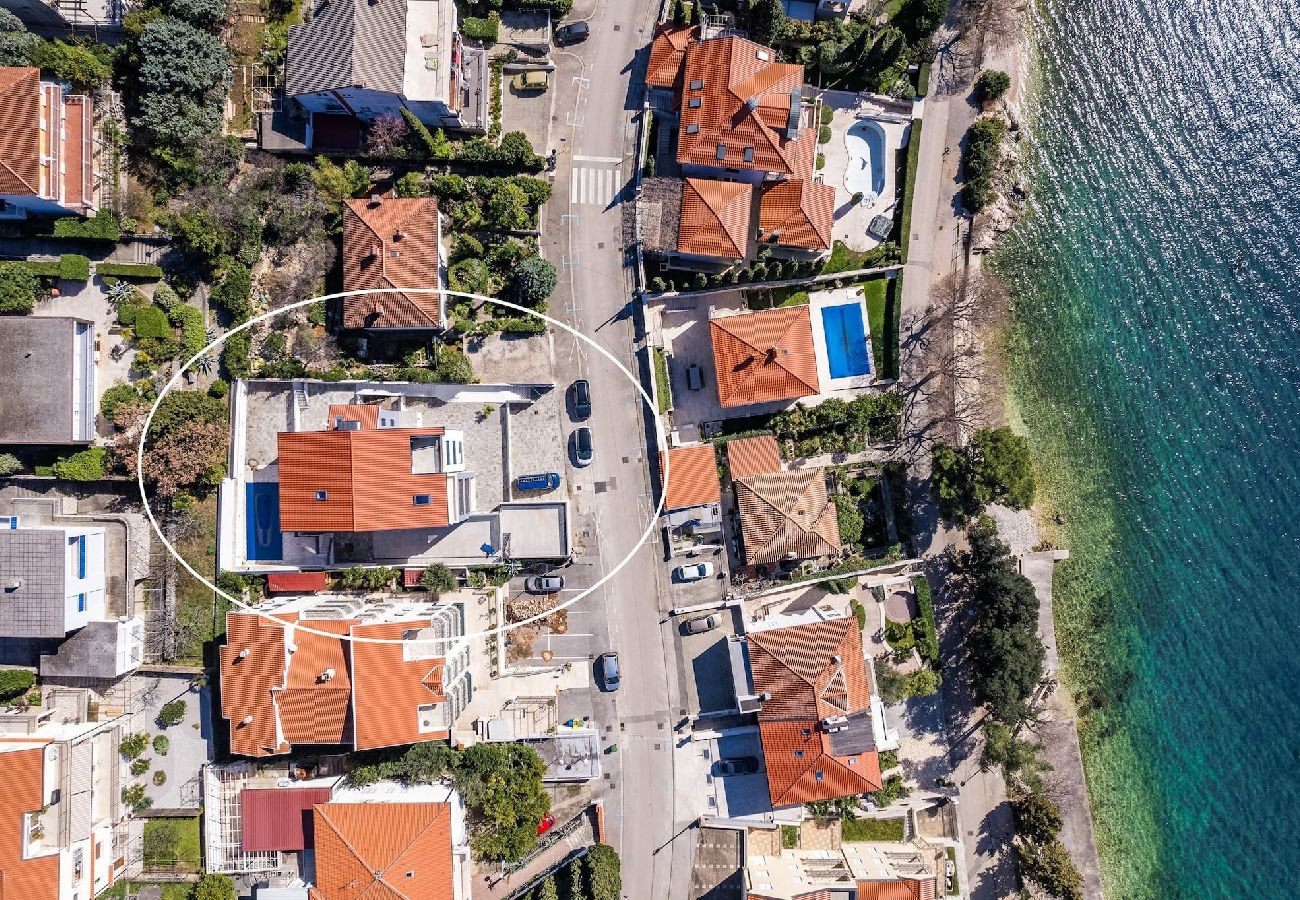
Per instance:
{"type": "Point", "coordinates": [594, 186]}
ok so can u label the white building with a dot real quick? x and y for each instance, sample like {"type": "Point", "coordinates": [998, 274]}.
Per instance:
{"type": "Point", "coordinates": [51, 578]}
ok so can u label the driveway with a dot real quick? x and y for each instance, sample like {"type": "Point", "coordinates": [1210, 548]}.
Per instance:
{"type": "Point", "coordinates": [530, 111]}
{"type": "Point", "coordinates": [706, 662]}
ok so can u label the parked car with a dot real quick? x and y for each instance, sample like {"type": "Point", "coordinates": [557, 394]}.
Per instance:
{"type": "Point", "coordinates": [546, 481]}
{"type": "Point", "coordinates": [740, 765]}
{"type": "Point", "coordinates": [580, 392]}
{"type": "Point", "coordinates": [694, 572]}
{"type": "Point", "coordinates": [694, 377]}
{"type": "Point", "coordinates": [609, 674]}
{"type": "Point", "coordinates": [544, 584]}
{"type": "Point", "coordinates": [702, 624]}
{"type": "Point", "coordinates": [573, 33]}
{"type": "Point", "coordinates": [583, 451]}
{"type": "Point", "coordinates": [531, 81]}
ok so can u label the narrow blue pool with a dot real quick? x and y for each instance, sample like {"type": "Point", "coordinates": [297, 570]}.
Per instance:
{"type": "Point", "coordinates": [263, 515]}
{"type": "Point", "coordinates": [846, 340]}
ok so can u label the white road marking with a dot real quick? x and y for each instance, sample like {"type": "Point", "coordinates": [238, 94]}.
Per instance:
{"type": "Point", "coordinates": [589, 186]}
{"type": "Point", "coordinates": [604, 159]}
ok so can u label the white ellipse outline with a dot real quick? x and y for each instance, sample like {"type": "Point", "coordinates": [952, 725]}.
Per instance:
{"type": "Point", "coordinates": [500, 629]}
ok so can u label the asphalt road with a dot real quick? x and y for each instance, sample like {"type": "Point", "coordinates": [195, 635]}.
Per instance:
{"type": "Point", "coordinates": [594, 133]}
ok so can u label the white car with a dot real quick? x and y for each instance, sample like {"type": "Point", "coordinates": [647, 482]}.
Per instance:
{"type": "Point", "coordinates": [693, 573]}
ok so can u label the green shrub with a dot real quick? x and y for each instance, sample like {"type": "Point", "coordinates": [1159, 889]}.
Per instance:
{"type": "Point", "coordinates": [138, 271]}
{"type": "Point", "coordinates": [74, 267]}
{"type": "Point", "coordinates": [133, 745]}
{"type": "Point", "coordinates": [316, 313]}
{"type": "Point", "coordinates": [14, 682]}
{"type": "Point", "coordinates": [234, 355]}
{"type": "Point", "coordinates": [981, 160]}
{"type": "Point", "coordinates": [194, 333]}
{"type": "Point", "coordinates": [523, 325]}
{"type": "Point", "coordinates": [927, 638]}
{"type": "Point", "coordinates": [18, 289]}
{"type": "Point", "coordinates": [479, 29]}
{"type": "Point", "coordinates": [136, 799]}
{"type": "Point", "coordinates": [159, 778]}
{"type": "Point", "coordinates": [88, 465]}
{"type": "Point", "coordinates": [602, 871]}
{"type": "Point", "coordinates": [789, 837]}
{"type": "Point", "coordinates": [105, 226]}
{"type": "Point", "coordinates": [161, 745]}
{"type": "Point", "coordinates": [437, 578]}
{"type": "Point", "coordinates": [139, 767]}
{"type": "Point", "coordinates": [891, 791]}
{"type": "Point", "coordinates": [151, 322]}
{"type": "Point", "coordinates": [234, 292]}
{"type": "Point", "coordinates": [824, 134]}
{"type": "Point", "coordinates": [9, 464]}
{"type": "Point", "coordinates": [172, 713]}
{"type": "Point", "coordinates": [991, 85]}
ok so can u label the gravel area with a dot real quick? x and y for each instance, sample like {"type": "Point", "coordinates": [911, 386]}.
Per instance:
{"type": "Point", "coordinates": [1016, 527]}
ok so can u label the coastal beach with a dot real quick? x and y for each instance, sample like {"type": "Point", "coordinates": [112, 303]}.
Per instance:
{"type": "Point", "coordinates": [1154, 368]}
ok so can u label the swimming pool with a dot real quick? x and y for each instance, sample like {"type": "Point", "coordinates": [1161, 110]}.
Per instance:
{"type": "Point", "coordinates": [865, 173]}
{"type": "Point", "coordinates": [846, 340]}
{"type": "Point", "coordinates": [263, 515]}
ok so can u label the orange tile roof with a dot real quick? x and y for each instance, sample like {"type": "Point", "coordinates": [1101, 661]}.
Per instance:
{"type": "Point", "coordinates": [753, 456]}
{"type": "Point", "coordinates": [897, 889]}
{"type": "Point", "coordinates": [787, 515]}
{"type": "Point", "coordinates": [21, 791]}
{"type": "Point", "coordinates": [383, 851]}
{"type": "Point", "coordinates": [247, 683]}
{"type": "Point", "coordinates": [78, 149]}
{"type": "Point", "coordinates": [365, 413]}
{"type": "Point", "coordinates": [314, 710]}
{"type": "Point", "coordinates": [797, 213]}
{"type": "Point", "coordinates": [668, 53]}
{"type": "Point", "coordinates": [296, 582]}
{"type": "Point", "coordinates": [760, 357]}
{"type": "Point", "coordinates": [391, 244]}
{"type": "Point", "coordinates": [20, 111]}
{"type": "Point", "coordinates": [692, 477]}
{"type": "Point", "coordinates": [389, 689]}
{"type": "Point", "coordinates": [715, 218]}
{"type": "Point", "coordinates": [366, 477]}
{"type": "Point", "coordinates": [811, 672]}
{"type": "Point", "coordinates": [744, 107]}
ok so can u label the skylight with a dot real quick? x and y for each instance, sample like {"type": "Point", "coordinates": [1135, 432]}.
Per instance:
{"type": "Point", "coordinates": [694, 103]}
{"type": "Point", "coordinates": [697, 84]}
{"type": "Point", "coordinates": [722, 151]}
{"type": "Point", "coordinates": [322, 495]}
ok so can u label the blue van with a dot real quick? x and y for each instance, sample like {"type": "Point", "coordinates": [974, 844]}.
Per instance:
{"type": "Point", "coordinates": [548, 481]}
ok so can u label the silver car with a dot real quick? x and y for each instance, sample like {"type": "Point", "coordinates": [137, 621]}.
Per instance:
{"type": "Point", "coordinates": [702, 624]}
{"type": "Point", "coordinates": [544, 584]}
{"type": "Point", "coordinates": [694, 572]}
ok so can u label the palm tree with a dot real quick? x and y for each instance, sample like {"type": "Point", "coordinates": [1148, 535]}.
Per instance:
{"type": "Point", "coordinates": [203, 365]}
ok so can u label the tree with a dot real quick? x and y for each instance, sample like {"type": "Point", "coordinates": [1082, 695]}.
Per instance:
{"type": "Point", "coordinates": [195, 233]}
{"type": "Point", "coordinates": [71, 62]}
{"type": "Point", "coordinates": [766, 19]}
{"type": "Point", "coordinates": [1001, 462]}
{"type": "Point", "coordinates": [9, 464]}
{"type": "Point", "coordinates": [533, 281]}
{"type": "Point", "coordinates": [1008, 665]}
{"type": "Point", "coordinates": [547, 890]}
{"type": "Point", "coordinates": [516, 151]}
{"type": "Point", "coordinates": [180, 408]}
{"type": "Point", "coordinates": [214, 887]}
{"type": "Point", "coordinates": [177, 58]}
{"type": "Point", "coordinates": [387, 134]}
{"type": "Point", "coordinates": [602, 871]}
{"type": "Point", "coordinates": [16, 44]}
{"type": "Point", "coordinates": [14, 682]}
{"type": "Point", "coordinates": [507, 208]}
{"type": "Point", "coordinates": [850, 519]}
{"type": "Point", "coordinates": [133, 745]}
{"type": "Point", "coordinates": [438, 579]}
{"type": "Point", "coordinates": [991, 85]}
{"type": "Point", "coordinates": [502, 784]}
{"type": "Point", "coordinates": [1017, 759]}
{"type": "Point", "coordinates": [453, 367]}
{"type": "Point", "coordinates": [1049, 866]}
{"type": "Point", "coordinates": [162, 841]}
{"type": "Point", "coordinates": [677, 13]}
{"type": "Point", "coordinates": [234, 292]}
{"type": "Point", "coordinates": [206, 14]}
{"type": "Point", "coordinates": [1038, 819]}
{"type": "Point", "coordinates": [18, 289]}
{"type": "Point", "coordinates": [950, 473]}
{"type": "Point", "coordinates": [190, 459]}
{"type": "Point", "coordinates": [337, 184]}
{"type": "Point", "coordinates": [172, 713]}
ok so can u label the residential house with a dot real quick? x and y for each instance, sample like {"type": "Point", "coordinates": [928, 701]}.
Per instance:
{"type": "Point", "coordinates": [846, 870]}
{"type": "Point", "coordinates": [51, 578]}
{"type": "Point", "coordinates": [795, 217]}
{"type": "Point", "coordinates": [391, 243]}
{"type": "Point", "coordinates": [753, 456]}
{"type": "Point", "coordinates": [354, 61]}
{"type": "Point", "coordinates": [808, 683]}
{"type": "Point", "coordinates": [716, 221]}
{"type": "Point", "coordinates": [48, 159]}
{"type": "Point", "coordinates": [49, 380]}
{"type": "Point", "coordinates": [62, 825]}
{"type": "Point", "coordinates": [764, 357]}
{"type": "Point", "coordinates": [786, 517]}
{"type": "Point", "coordinates": [668, 54]}
{"type": "Point", "coordinates": [330, 670]}
{"type": "Point", "coordinates": [100, 15]}
{"type": "Point", "coordinates": [693, 491]}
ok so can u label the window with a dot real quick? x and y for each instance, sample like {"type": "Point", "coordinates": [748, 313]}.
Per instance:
{"type": "Point", "coordinates": [421, 500]}
{"type": "Point", "coordinates": [798, 754]}
{"type": "Point", "coordinates": [81, 603]}
{"type": "Point", "coordinates": [81, 556]}
{"type": "Point", "coordinates": [853, 760]}
{"type": "Point", "coordinates": [322, 495]}
{"type": "Point", "coordinates": [694, 103]}
{"type": "Point", "coordinates": [820, 775]}
{"type": "Point", "coordinates": [697, 84]}
{"type": "Point", "coordinates": [749, 154]}
{"type": "Point", "coordinates": [692, 129]}
{"type": "Point", "coordinates": [722, 151]}
{"type": "Point", "coordinates": [806, 732]}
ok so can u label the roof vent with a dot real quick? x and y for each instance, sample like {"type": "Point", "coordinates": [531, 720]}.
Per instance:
{"type": "Point", "coordinates": [376, 200]}
{"type": "Point", "coordinates": [327, 675]}
{"type": "Point", "coordinates": [835, 660]}
{"type": "Point", "coordinates": [243, 654]}
{"type": "Point", "coordinates": [13, 584]}
{"type": "Point", "coordinates": [247, 720]}
{"type": "Point", "coordinates": [291, 648]}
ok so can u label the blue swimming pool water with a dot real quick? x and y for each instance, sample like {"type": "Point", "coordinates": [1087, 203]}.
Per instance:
{"type": "Point", "coordinates": [264, 539]}
{"type": "Point", "coordinates": [846, 340]}
{"type": "Point", "coordinates": [865, 172]}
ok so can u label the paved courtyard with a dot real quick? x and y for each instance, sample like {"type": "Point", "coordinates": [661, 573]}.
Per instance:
{"type": "Point", "coordinates": [851, 221]}
{"type": "Point", "coordinates": [529, 111]}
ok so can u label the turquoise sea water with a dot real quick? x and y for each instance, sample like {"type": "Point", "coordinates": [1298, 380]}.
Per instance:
{"type": "Point", "coordinates": [1157, 370]}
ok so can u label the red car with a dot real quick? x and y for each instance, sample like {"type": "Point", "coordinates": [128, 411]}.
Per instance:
{"type": "Point", "coordinates": [546, 824]}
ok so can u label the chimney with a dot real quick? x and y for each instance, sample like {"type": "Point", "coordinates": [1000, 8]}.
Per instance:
{"type": "Point", "coordinates": [835, 660]}
{"type": "Point", "coordinates": [13, 584]}
{"type": "Point", "coordinates": [243, 654]}
{"type": "Point", "coordinates": [247, 720]}
{"type": "Point", "coordinates": [398, 235]}
{"type": "Point", "coordinates": [327, 675]}
{"type": "Point", "coordinates": [376, 200]}
{"type": "Point", "coordinates": [376, 250]}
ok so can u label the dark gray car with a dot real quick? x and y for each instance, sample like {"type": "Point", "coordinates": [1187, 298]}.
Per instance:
{"type": "Point", "coordinates": [610, 677]}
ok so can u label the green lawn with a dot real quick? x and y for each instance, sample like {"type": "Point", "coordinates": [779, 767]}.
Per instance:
{"type": "Point", "coordinates": [876, 292]}
{"type": "Point", "coordinates": [952, 857]}
{"type": "Point", "coordinates": [909, 186]}
{"type": "Point", "coordinates": [842, 258]}
{"type": "Point", "coordinates": [189, 852]}
{"type": "Point", "coordinates": [662, 384]}
{"type": "Point", "coordinates": [873, 829]}
{"type": "Point", "coordinates": [170, 890]}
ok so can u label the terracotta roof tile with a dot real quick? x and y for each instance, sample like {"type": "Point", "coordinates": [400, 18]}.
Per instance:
{"type": "Point", "coordinates": [801, 768]}
{"type": "Point", "coordinates": [668, 53]}
{"type": "Point", "coordinates": [21, 780]}
{"type": "Point", "coordinates": [799, 212]}
{"type": "Point", "coordinates": [787, 515]}
{"type": "Point", "coordinates": [296, 582]}
{"type": "Point", "coordinates": [388, 690]}
{"type": "Point", "coordinates": [744, 104]}
{"type": "Point", "coordinates": [753, 456]}
{"type": "Point", "coordinates": [365, 413]}
{"type": "Point", "coordinates": [897, 889]}
{"type": "Point", "coordinates": [247, 683]}
{"type": "Point", "coordinates": [715, 218]}
{"type": "Point", "coordinates": [760, 357]}
{"type": "Point", "coordinates": [692, 477]}
{"type": "Point", "coordinates": [391, 244]}
{"type": "Point", "coordinates": [313, 709]}
{"type": "Point", "coordinates": [384, 851]}
{"type": "Point", "coordinates": [366, 479]}
{"type": "Point", "coordinates": [20, 112]}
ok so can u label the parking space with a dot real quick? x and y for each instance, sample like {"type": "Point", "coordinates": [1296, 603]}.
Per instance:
{"type": "Point", "coordinates": [567, 635]}
{"type": "Point", "coordinates": [706, 660]}
{"type": "Point", "coordinates": [529, 110]}
{"type": "Point", "coordinates": [689, 588]}
{"type": "Point", "coordinates": [741, 794]}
